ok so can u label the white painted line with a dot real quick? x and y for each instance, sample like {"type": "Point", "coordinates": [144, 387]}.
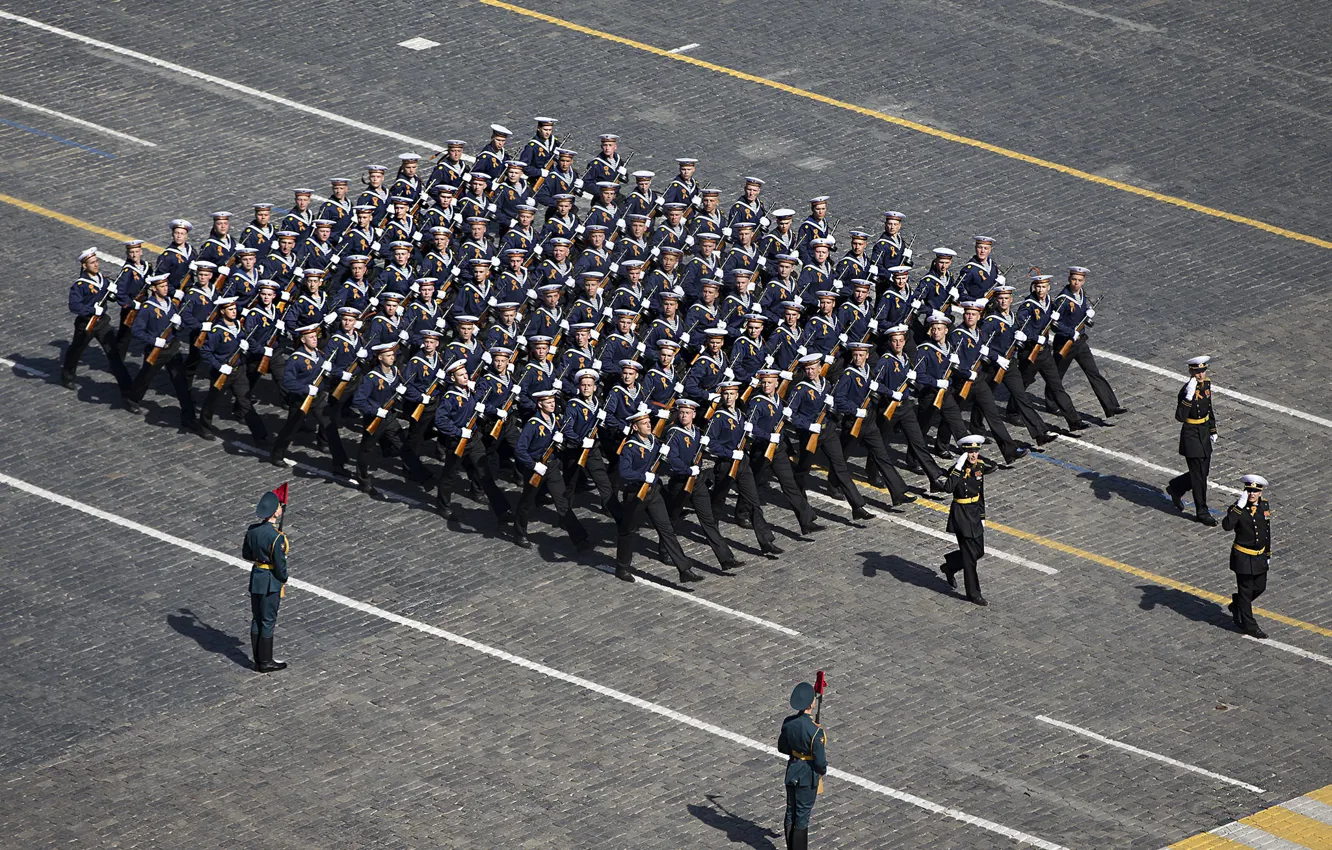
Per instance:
{"type": "Point", "coordinates": [1123, 22]}
{"type": "Point", "coordinates": [1149, 754]}
{"type": "Point", "coordinates": [1294, 650]}
{"type": "Point", "coordinates": [1221, 391]}
{"type": "Point", "coordinates": [1073, 441]}
{"type": "Point", "coordinates": [418, 43]}
{"type": "Point", "coordinates": [219, 81]}
{"type": "Point", "coordinates": [924, 529]}
{"type": "Point", "coordinates": [684, 48]}
{"type": "Point", "coordinates": [416, 503]}
{"type": "Point", "coordinates": [110, 258]}
{"type": "Point", "coordinates": [534, 666]}
{"type": "Point", "coordinates": [19, 367]}
{"type": "Point", "coordinates": [70, 118]}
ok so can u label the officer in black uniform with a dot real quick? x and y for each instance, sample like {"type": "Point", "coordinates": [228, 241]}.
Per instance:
{"type": "Point", "coordinates": [804, 742]}
{"type": "Point", "coordinates": [266, 547]}
{"type": "Point", "coordinates": [1250, 518]}
{"type": "Point", "coordinates": [1197, 435]}
{"type": "Point", "coordinates": [966, 516]}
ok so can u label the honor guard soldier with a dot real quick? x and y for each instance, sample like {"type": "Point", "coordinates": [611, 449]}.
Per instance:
{"type": "Point", "coordinates": [266, 547]}
{"type": "Point", "coordinates": [1250, 555]}
{"type": "Point", "coordinates": [225, 350]}
{"type": "Point", "coordinates": [689, 483]}
{"type": "Point", "coordinates": [307, 375]}
{"type": "Point", "coordinates": [155, 328]}
{"type": "Point", "coordinates": [811, 403]}
{"type": "Point", "coordinates": [728, 437]}
{"type": "Point", "coordinates": [966, 516]}
{"type": "Point", "coordinates": [258, 235]}
{"type": "Point", "coordinates": [490, 161]}
{"type": "Point", "coordinates": [89, 298]}
{"type": "Point", "coordinates": [980, 275]}
{"type": "Point", "coordinates": [1197, 436]}
{"type": "Point", "coordinates": [803, 742]}
{"type": "Point", "coordinates": [640, 463]}
{"type": "Point", "coordinates": [380, 390]}
{"type": "Point", "coordinates": [539, 446]}
{"type": "Point", "coordinates": [538, 155]}
{"type": "Point", "coordinates": [175, 260]}
{"type": "Point", "coordinates": [1075, 318]}
{"type": "Point", "coordinates": [853, 402]}
{"type": "Point", "coordinates": [896, 379]}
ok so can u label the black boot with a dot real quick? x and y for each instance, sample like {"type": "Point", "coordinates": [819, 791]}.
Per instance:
{"type": "Point", "coordinates": [266, 663]}
{"type": "Point", "coordinates": [800, 839]}
{"type": "Point", "coordinates": [254, 649]}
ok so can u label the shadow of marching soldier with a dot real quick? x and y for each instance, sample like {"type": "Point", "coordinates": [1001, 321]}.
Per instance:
{"type": "Point", "coordinates": [208, 637]}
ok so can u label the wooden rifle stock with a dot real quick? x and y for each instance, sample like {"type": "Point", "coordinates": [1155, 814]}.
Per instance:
{"type": "Point", "coordinates": [499, 422]}
{"type": "Point", "coordinates": [583, 455]}
{"type": "Point", "coordinates": [646, 487]}
{"type": "Point", "coordinates": [308, 401]}
{"type": "Point", "coordinates": [430, 392]}
{"type": "Point", "coordinates": [471, 424]}
{"type": "Point", "coordinates": [812, 444]}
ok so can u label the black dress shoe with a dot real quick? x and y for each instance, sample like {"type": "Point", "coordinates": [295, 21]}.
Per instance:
{"type": "Point", "coordinates": [949, 577]}
{"type": "Point", "coordinates": [731, 564]}
{"type": "Point", "coordinates": [369, 489]}
{"type": "Point", "coordinates": [583, 544]}
{"type": "Point", "coordinates": [1208, 520]}
{"type": "Point", "coordinates": [1254, 631]}
{"type": "Point", "coordinates": [443, 510]}
{"type": "Point", "coordinates": [624, 573]}
{"type": "Point", "coordinates": [744, 522]}
{"type": "Point", "coordinates": [1045, 438]}
{"type": "Point", "coordinates": [688, 574]}
{"type": "Point", "coordinates": [340, 470]}
{"type": "Point", "coordinates": [203, 431]}
{"type": "Point", "coordinates": [130, 405]}
{"type": "Point", "coordinates": [521, 541]}
{"type": "Point", "coordinates": [1234, 612]}
{"type": "Point", "coordinates": [1020, 452]}
{"type": "Point", "coordinates": [1178, 501]}
{"type": "Point", "coordinates": [1080, 425]}
{"type": "Point", "coordinates": [977, 600]}
{"type": "Point", "coordinates": [772, 552]}
{"type": "Point", "coordinates": [813, 527]}
{"type": "Point", "coordinates": [1117, 411]}
{"type": "Point", "coordinates": [277, 460]}
{"type": "Point", "coordinates": [861, 512]}
{"type": "Point", "coordinates": [906, 499]}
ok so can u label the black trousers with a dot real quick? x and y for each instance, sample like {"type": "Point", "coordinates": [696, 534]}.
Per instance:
{"type": "Point", "coordinates": [947, 414]}
{"type": "Point", "coordinates": [654, 509]}
{"type": "Point", "coordinates": [419, 429]}
{"type": "Point", "coordinates": [123, 334]}
{"type": "Point", "coordinates": [320, 411]}
{"type": "Point", "coordinates": [1249, 588]}
{"type": "Point", "coordinates": [1018, 400]}
{"type": "Point", "coordinates": [969, 551]}
{"type": "Point", "coordinates": [595, 469]}
{"type": "Point", "coordinates": [473, 463]}
{"type": "Point", "coordinates": [701, 501]}
{"type": "Point", "coordinates": [878, 464]}
{"type": "Point", "coordinates": [830, 445]}
{"type": "Point", "coordinates": [747, 497]}
{"type": "Point", "coordinates": [906, 419]}
{"type": "Point", "coordinates": [1196, 480]}
{"type": "Point", "coordinates": [391, 434]}
{"type": "Point", "coordinates": [106, 338]}
{"type": "Point", "coordinates": [238, 387]}
{"type": "Point", "coordinates": [553, 483]}
{"type": "Point", "coordinates": [780, 467]}
{"type": "Point", "coordinates": [1081, 353]}
{"type": "Point", "coordinates": [1054, 385]}
{"type": "Point", "coordinates": [263, 613]}
{"type": "Point", "coordinates": [174, 363]}
{"type": "Point", "coordinates": [980, 404]}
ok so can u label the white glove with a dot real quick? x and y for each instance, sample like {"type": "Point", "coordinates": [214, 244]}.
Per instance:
{"type": "Point", "coordinates": [1001, 280]}
{"type": "Point", "coordinates": [815, 428]}
{"type": "Point", "coordinates": [329, 318]}
{"type": "Point", "coordinates": [480, 410]}
{"type": "Point", "coordinates": [345, 376]}
{"type": "Point", "coordinates": [663, 414]}
{"type": "Point", "coordinates": [827, 358]}
{"type": "Point", "coordinates": [175, 319]}
{"type": "Point", "coordinates": [737, 455]}
{"type": "Point", "coordinates": [961, 461]}
{"type": "Point", "coordinates": [941, 384]}
{"type": "Point", "coordinates": [225, 368]}
{"type": "Point", "coordinates": [774, 437]}
{"type": "Point", "coordinates": [1190, 388]}
{"type": "Point", "coordinates": [749, 427]}
{"type": "Point", "coordinates": [787, 376]}
{"type": "Point", "coordinates": [726, 232]}
{"type": "Point", "coordinates": [601, 415]}
{"type": "Point", "coordinates": [649, 477]}
{"type": "Point", "coordinates": [539, 468]}
{"type": "Point", "coordinates": [596, 364]}
{"type": "Point", "coordinates": [98, 309]}
{"type": "Point", "coordinates": [159, 343]}
{"type": "Point", "coordinates": [401, 389]}
{"type": "Point", "coordinates": [897, 395]}
{"type": "Point", "coordinates": [1003, 362]}
{"type": "Point", "coordinates": [704, 440]}
{"type": "Point", "coordinates": [827, 399]}
{"type": "Point", "coordinates": [467, 433]}
{"type": "Point", "coordinates": [587, 442]}
{"type": "Point", "coordinates": [911, 374]}
{"type": "Point", "coordinates": [874, 386]}
{"type": "Point", "coordinates": [312, 390]}
{"type": "Point", "coordinates": [693, 470]}
{"type": "Point", "coordinates": [1212, 437]}
{"type": "Point", "coordinates": [1091, 313]}
{"type": "Point", "coordinates": [1054, 317]}
{"type": "Point", "coordinates": [1019, 336]}
{"type": "Point", "coordinates": [206, 327]}
{"type": "Point", "coordinates": [111, 288]}
{"type": "Point", "coordinates": [802, 351]}
{"type": "Point", "coordinates": [952, 358]}
{"type": "Point", "coordinates": [664, 450]}
{"type": "Point", "coordinates": [985, 351]}
{"type": "Point", "coordinates": [728, 373]}
{"type": "Point", "coordinates": [382, 413]}
{"type": "Point", "coordinates": [787, 412]}
{"type": "Point", "coordinates": [860, 413]}
{"type": "Point", "coordinates": [545, 173]}
{"type": "Point", "coordinates": [1243, 498]}
{"type": "Point", "coordinates": [501, 414]}
{"type": "Point", "coordinates": [874, 324]}
{"type": "Point", "coordinates": [906, 255]}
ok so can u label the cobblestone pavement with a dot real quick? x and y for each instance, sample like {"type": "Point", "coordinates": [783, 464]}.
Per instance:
{"type": "Point", "coordinates": [131, 718]}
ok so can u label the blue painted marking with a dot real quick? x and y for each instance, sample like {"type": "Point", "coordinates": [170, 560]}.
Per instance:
{"type": "Point", "coordinates": [1082, 470]}
{"type": "Point", "coordinates": [53, 137]}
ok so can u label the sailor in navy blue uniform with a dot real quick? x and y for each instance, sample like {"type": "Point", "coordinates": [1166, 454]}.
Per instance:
{"type": "Point", "coordinates": [854, 264]}
{"type": "Point", "coordinates": [375, 193]}
{"type": "Point", "coordinates": [690, 484]}
{"type": "Point", "coordinates": [981, 274]}
{"type": "Point", "coordinates": [966, 516]}
{"type": "Point", "coordinates": [770, 451]}
{"type": "Point", "coordinates": [538, 155]}
{"type": "Point", "coordinates": [972, 351]}
{"type": "Point", "coordinates": [224, 351]}
{"type": "Point", "coordinates": [282, 266]}
{"type": "Point", "coordinates": [707, 218]}
{"type": "Point", "coordinates": [853, 399]}
{"type": "Point", "coordinates": [702, 267]}
{"type": "Point", "coordinates": [219, 246]}
{"type": "Point", "coordinates": [558, 180]}
{"type": "Point", "coordinates": [131, 291]}
{"type": "Point", "coordinates": [337, 208]}
{"type": "Point", "coordinates": [607, 166]}
{"type": "Point", "coordinates": [583, 420]}
{"type": "Point", "coordinates": [1000, 327]}
{"type": "Point", "coordinates": [155, 327]}
{"type": "Point", "coordinates": [815, 226]}
{"type": "Point", "coordinates": [747, 209]}
{"type": "Point", "coordinates": [407, 183]}
{"type": "Point", "coordinates": [895, 304]}
{"type": "Point", "coordinates": [935, 363]}
{"type": "Point", "coordinates": [889, 249]}
{"type": "Point", "coordinates": [1036, 318]}
{"type": "Point", "coordinates": [811, 403]}
{"type": "Point", "coordinates": [816, 276]}
{"type": "Point", "coordinates": [778, 240]}
{"type": "Point", "coordinates": [644, 200]}
{"type": "Point", "coordinates": [258, 234]}
{"type": "Point", "coordinates": [455, 420]}
{"type": "Point", "coordinates": [450, 169]}
{"type": "Point", "coordinates": [729, 435]}
{"type": "Point", "coordinates": [642, 460]}
{"type": "Point", "coordinates": [465, 346]}
{"type": "Point", "coordinates": [307, 375]}
{"type": "Point", "coordinates": [1076, 316]}
{"type": "Point", "coordinates": [346, 354]}
{"type": "Point", "coordinates": [896, 377]}
{"type": "Point", "coordinates": [490, 161]}
{"type": "Point", "coordinates": [538, 450]}
{"type": "Point", "coordinates": [175, 261]}
{"type": "Point", "coordinates": [300, 218]}
{"type": "Point", "coordinates": [683, 189]}
{"type": "Point", "coordinates": [710, 368]}
{"type": "Point", "coordinates": [380, 390]}
{"type": "Point", "coordinates": [424, 381]}
{"type": "Point", "coordinates": [90, 297]}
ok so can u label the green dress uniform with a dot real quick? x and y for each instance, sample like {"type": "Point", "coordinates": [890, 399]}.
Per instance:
{"type": "Point", "coordinates": [266, 547]}
{"type": "Point", "coordinates": [1250, 555]}
{"type": "Point", "coordinates": [803, 742]}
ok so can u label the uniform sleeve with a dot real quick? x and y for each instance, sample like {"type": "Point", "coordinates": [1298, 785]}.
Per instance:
{"type": "Point", "coordinates": [1232, 518]}
{"type": "Point", "coordinates": [820, 753]}
{"type": "Point", "coordinates": [523, 448]}
{"type": "Point", "coordinates": [280, 549]}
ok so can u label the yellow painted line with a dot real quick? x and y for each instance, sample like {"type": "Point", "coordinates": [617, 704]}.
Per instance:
{"type": "Point", "coordinates": [1292, 826]}
{"type": "Point", "coordinates": [913, 125]}
{"type": "Point", "coordinates": [1322, 795]}
{"type": "Point", "coordinates": [74, 222]}
{"type": "Point", "coordinates": [1208, 841]}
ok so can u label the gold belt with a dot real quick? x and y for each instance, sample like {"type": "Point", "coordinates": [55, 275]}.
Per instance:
{"type": "Point", "coordinates": [259, 566]}
{"type": "Point", "coordinates": [802, 756]}
{"type": "Point", "coordinates": [967, 500]}
{"type": "Point", "coordinates": [1262, 551]}
{"type": "Point", "coordinates": [1202, 421]}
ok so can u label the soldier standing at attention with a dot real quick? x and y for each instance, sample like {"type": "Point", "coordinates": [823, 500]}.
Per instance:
{"type": "Point", "coordinates": [966, 516]}
{"type": "Point", "coordinates": [266, 547]}
{"type": "Point", "coordinates": [1250, 518]}
{"type": "Point", "coordinates": [802, 740]}
{"type": "Point", "coordinates": [1197, 436]}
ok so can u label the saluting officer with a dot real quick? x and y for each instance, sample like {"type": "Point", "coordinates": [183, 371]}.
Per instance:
{"type": "Point", "coordinates": [1250, 518]}
{"type": "Point", "coordinates": [804, 742]}
{"type": "Point", "coordinates": [1197, 436]}
{"type": "Point", "coordinates": [266, 547]}
{"type": "Point", "coordinates": [966, 516]}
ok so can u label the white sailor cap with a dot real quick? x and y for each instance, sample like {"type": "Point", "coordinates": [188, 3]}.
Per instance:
{"type": "Point", "coordinates": [454, 143]}
{"type": "Point", "coordinates": [595, 228]}
{"type": "Point", "coordinates": [743, 225]}
{"type": "Point", "coordinates": [431, 333]}
{"type": "Point", "coordinates": [753, 181]}
{"type": "Point", "coordinates": [180, 222]}
{"type": "Point", "coordinates": [477, 219]}
{"type": "Point", "coordinates": [1002, 288]}
{"type": "Point", "coordinates": [400, 244]}
{"type": "Point", "coordinates": [812, 357]}
{"type": "Point", "coordinates": [1082, 270]}
{"type": "Point", "coordinates": [224, 302]}
{"type": "Point", "coordinates": [769, 373]}
{"type": "Point", "coordinates": [1040, 278]}
{"type": "Point", "coordinates": [409, 156]}
{"type": "Point", "coordinates": [686, 160]}
{"type": "Point", "coordinates": [500, 130]}
{"type": "Point", "coordinates": [479, 263]}
{"type": "Point", "coordinates": [971, 441]}
{"type": "Point", "coordinates": [711, 237]}
{"type": "Point", "coordinates": [85, 254]}
{"type": "Point", "coordinates": [220, 214]}
{"type": "Point", "coordinates": [709, 191]}
{"type": "Point", "coordinates": [348, 311]}
{"type": "Point", "coordinates": [788, 258]}
{"type": "Point", "coordinates": [310, 329]}
{"type": "Point", "coordinates": [825, 293]}
{"type": "Point", "coordinates": [303, 192]}
{"type": "Point", "coordinates": [514, 163]}
{"type": "Point", "coordinates": [454, 366]}
{"type": "Point", "coordinates": [819, 240]}
{"type": "Point", "coordinates": [670, 251]}
{"type": "Point", "coordinates": [338, 181]}
{"type": "Point", "coordinates": [988, 240]}
{"type": "Point", "coordinates": [644, 174]}
{"type": "Point", "coordinates": [977, 304]}
{"type": "Point", "coordinates": [133, 243]}
{"type": "Point", "coordinates": [860, 283]}
{"type": "Point", "coordinates": [630, 363]}
{"type": "Point", "coordinates": [896, 329]}
{"type": "Point", "coordinates": [793, 305]}
{"type": "Point", "coordinates": [400, 199]}
{"type": "Point", "coordinates": [562, 196]}
{"type": "Point", "coordinates": [708, 281]}
{"type": "Point", "coordinates": [944, 252]}
{"type": "Point", "coordinates": [566, 152]}
{"type": "Point", "coordinates": [665, 343]}
{"type": "Point", "coordinates": [1254, 482]}
{"type": "Point", "coordinates": [262, 206]}
{"type": "Point", "coordinates": [673, 294]}
{"type": "Point", "coordinates": [686, 402]}
{"type": "Point", "coordinates": [540, 394]}
{"type": "Point", "coordinates": [592, 274]}
{"type": "Point", "coordinates": [500, 351]}
{"type": "Point", "coordinates": [158, 278]}
{"type": "Point", "coordinates": [391, 296]}
{"type": "Point", "coordinates": [630, 265]}
{"type": "Point", "coordinates": [728, 385]}
{"type": "Point", "coordinates": [587, 373]}
{"type": "Point", "coordinates": [376, 168]}
{"type": "Point", "coordinates": [582, 326]}
{"type": "Point", "coordinates": [480, 177]}
{"type": "Point", "coordinates": [784, 212]}
{"type": "Point", "coordinates": [674, 206]}
{"type": "Point", "coordinates": [860, 346]}
{"type": "Point", "coordinates": [506, 305]}
{"type": "Point", "coordinates": [638, 415]}
{"type": "Point", "coordinates": [859, 234]}
{"type": "Point", "coordinates": [818, 199]}
{"type": "Point", "coordinates": [364, 208]}
{"type": "Point", "coordinates": [623, 312]}
{"type": "Point", "coordinates": [384, 346]}
{"type": "Point", "coordinates": [438, 230]}
{"type": "Point", "coordinates": [205, 265]}
{"type": "Point", "coordinates": [1200, 362]}
{"type": "Point", "coordinates": [635, 217]}
{"type": "Point", "coordinates": [541, 119]}
{"type": "Point", "coordinates": [895, 214]}
{"type": "Point", "coordinates": [464, 319]}
{"type": "Point", "coordinates": [898, 270]}
{"type": "Point", "coordinates": [937, 318]}
{"type": "Point", "coordinates": [528, 205]}
{"type": "Point", "coordinates": [718, 331]}
{"type": "Point", "coordinates": [608, 137]}
{"type": "Point", "coordinates": [358, 258]}
{"type": "Point", "coordinates": [756, 317]}
{"type": "Point", "coordinates": [324, 222]}
{"type": "Point", "coordinates": [286, 234]}
{"type": "Point", "coordinates": [420, 281]}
